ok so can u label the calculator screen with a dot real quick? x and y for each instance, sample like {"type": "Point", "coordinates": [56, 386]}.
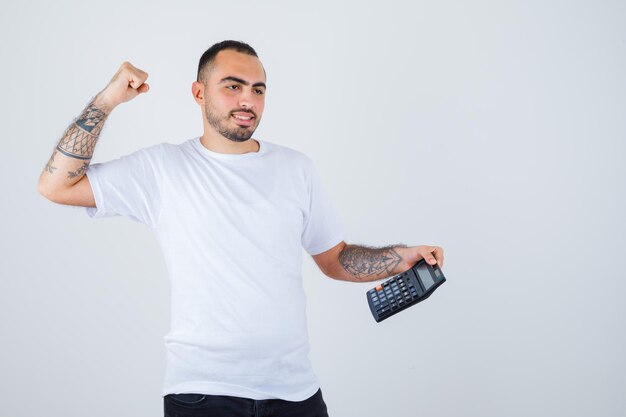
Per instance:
{"type": "Point", "coordinates": [425, 276]}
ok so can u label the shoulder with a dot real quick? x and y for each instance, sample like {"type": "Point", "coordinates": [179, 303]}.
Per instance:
{"type": "Point", "coordinates": [148, 156]}
{"type": "Point", "coordinates": [166, 150]}
{"type": "Point", "coordinates": [166, 147]}
{"type": "Point", "coordinates": [292, 155]}
{"type": "Point", "coordinates": [150, 151]}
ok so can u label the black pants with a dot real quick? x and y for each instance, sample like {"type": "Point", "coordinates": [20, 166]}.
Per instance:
{"type": "Point", "coordinates": [202, 405]}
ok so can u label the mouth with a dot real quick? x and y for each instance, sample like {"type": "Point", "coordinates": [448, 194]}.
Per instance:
{"type": "Point", "coordinates": [243, 120]}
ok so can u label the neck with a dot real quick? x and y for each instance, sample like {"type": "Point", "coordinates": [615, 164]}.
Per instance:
{"type": "Point", "coordinates": [218, 143]}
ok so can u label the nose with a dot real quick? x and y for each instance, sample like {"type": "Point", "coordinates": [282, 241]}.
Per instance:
{"type": "Point", "coordinates": [247, 100]}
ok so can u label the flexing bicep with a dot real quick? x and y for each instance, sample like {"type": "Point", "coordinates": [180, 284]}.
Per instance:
{"type": "Point", "coordinates": [79, 194]}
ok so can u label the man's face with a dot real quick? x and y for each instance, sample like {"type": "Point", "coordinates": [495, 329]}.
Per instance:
{"type": "Point", "coordinates": [235, 95]}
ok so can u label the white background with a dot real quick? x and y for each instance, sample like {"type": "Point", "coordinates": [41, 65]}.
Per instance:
{"type": "Point", "coordinates": [493, 129]}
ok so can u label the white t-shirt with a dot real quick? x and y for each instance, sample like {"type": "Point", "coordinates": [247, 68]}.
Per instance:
{"type": "Point", "coordinates": [231, 228]}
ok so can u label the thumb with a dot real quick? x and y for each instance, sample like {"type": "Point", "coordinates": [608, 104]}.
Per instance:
{"type": "Point", "coordinates": [143, 88]}
{"type": "Point", "coordinates": [429, 257]}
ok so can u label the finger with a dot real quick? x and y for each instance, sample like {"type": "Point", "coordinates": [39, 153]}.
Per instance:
{"type": "Point", "coordinates": [143, 88]}
{"type": "Point", "coordinates": [136, 83]}
{"type": "Point", "coordinates": [428, 256]}
{"type": "Point", "coordinates": [137, 78]}
{"type": "Point", "coordinates": [438, 253]}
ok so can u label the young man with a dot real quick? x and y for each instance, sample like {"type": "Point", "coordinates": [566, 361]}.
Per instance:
{"type": "Point", "coordinates": [230, 213]}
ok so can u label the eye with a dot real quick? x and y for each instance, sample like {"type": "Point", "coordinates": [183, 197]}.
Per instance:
{"type": "Point", "coordinates": [259, 91]}
{"type": "Point", "coordinates": [233, 86]}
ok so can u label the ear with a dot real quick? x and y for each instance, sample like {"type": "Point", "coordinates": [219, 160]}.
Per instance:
{"type": "Point", "coordinates": [197, 90]}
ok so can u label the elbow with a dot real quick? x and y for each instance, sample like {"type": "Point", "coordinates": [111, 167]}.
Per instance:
{"type": "Point", "coordinates": [335, 277]}
{"type": "Point", "coordinates": [337, 272]}
{"type": "Point", "coordinates": [42, 190]}
{"type": "Point", "coordinates": [46, 192]}
{"type": "Point", "coordinates": [331, 271]}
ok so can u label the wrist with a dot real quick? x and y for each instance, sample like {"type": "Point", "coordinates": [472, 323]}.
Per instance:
{"type": "Point", "coordinates": [103, 102]}
{"type": "Point", "coordinates": [405, 263]}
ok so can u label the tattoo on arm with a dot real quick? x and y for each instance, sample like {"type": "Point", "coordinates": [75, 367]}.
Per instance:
{"type": "Point", "coordinates": [80, 171]}
{"type": "Point", "coordinates": [49, 168]}
{"type": "Point", "coordinates": [80, 138]}
{"type": "Point", "coordinates": [362, 261]}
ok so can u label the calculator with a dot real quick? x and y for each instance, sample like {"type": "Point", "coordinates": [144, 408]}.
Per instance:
{"type": "Point", "coordinates": [404, 290]}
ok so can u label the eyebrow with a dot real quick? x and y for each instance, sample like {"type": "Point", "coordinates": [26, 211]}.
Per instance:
{"type": "Point", "coordinates": [244, 82]}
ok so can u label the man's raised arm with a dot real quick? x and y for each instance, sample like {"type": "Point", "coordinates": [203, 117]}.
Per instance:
{"type": "Point", "coordinates": [72, 155]}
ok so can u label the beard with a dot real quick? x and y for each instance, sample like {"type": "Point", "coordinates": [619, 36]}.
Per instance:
{"type": "Point", "coordinates": [222, 125]}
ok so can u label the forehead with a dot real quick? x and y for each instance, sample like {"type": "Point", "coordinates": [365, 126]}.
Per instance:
{"type": "Point", "coordinates": [237, 64]}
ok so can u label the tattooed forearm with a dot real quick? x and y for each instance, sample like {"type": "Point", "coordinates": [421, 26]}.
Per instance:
{"type": "Point", "coordinates": [79, 172]}
{"type": "Point", "coordinates": [80, 138]}
{"type": "Point", "coordinates": [72, 154]}
{"type": "Point", "coordinates": [368, 264]}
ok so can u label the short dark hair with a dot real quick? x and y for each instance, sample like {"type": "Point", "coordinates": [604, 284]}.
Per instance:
{"type": "Point", "coordinates": [206, 64]}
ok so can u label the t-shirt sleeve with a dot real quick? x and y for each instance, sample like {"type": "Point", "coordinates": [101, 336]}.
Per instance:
{"type": "Point", "coordinates": [128, 186]}
{"type": "Point", "coordinates": [323, 228]}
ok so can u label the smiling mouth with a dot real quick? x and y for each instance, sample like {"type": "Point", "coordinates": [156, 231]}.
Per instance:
{"type": "Point", "coordinates": [242, 120]}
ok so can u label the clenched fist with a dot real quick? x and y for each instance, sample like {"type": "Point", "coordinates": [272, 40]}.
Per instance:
{"type": "Point", "coordinates": [127, 83]}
